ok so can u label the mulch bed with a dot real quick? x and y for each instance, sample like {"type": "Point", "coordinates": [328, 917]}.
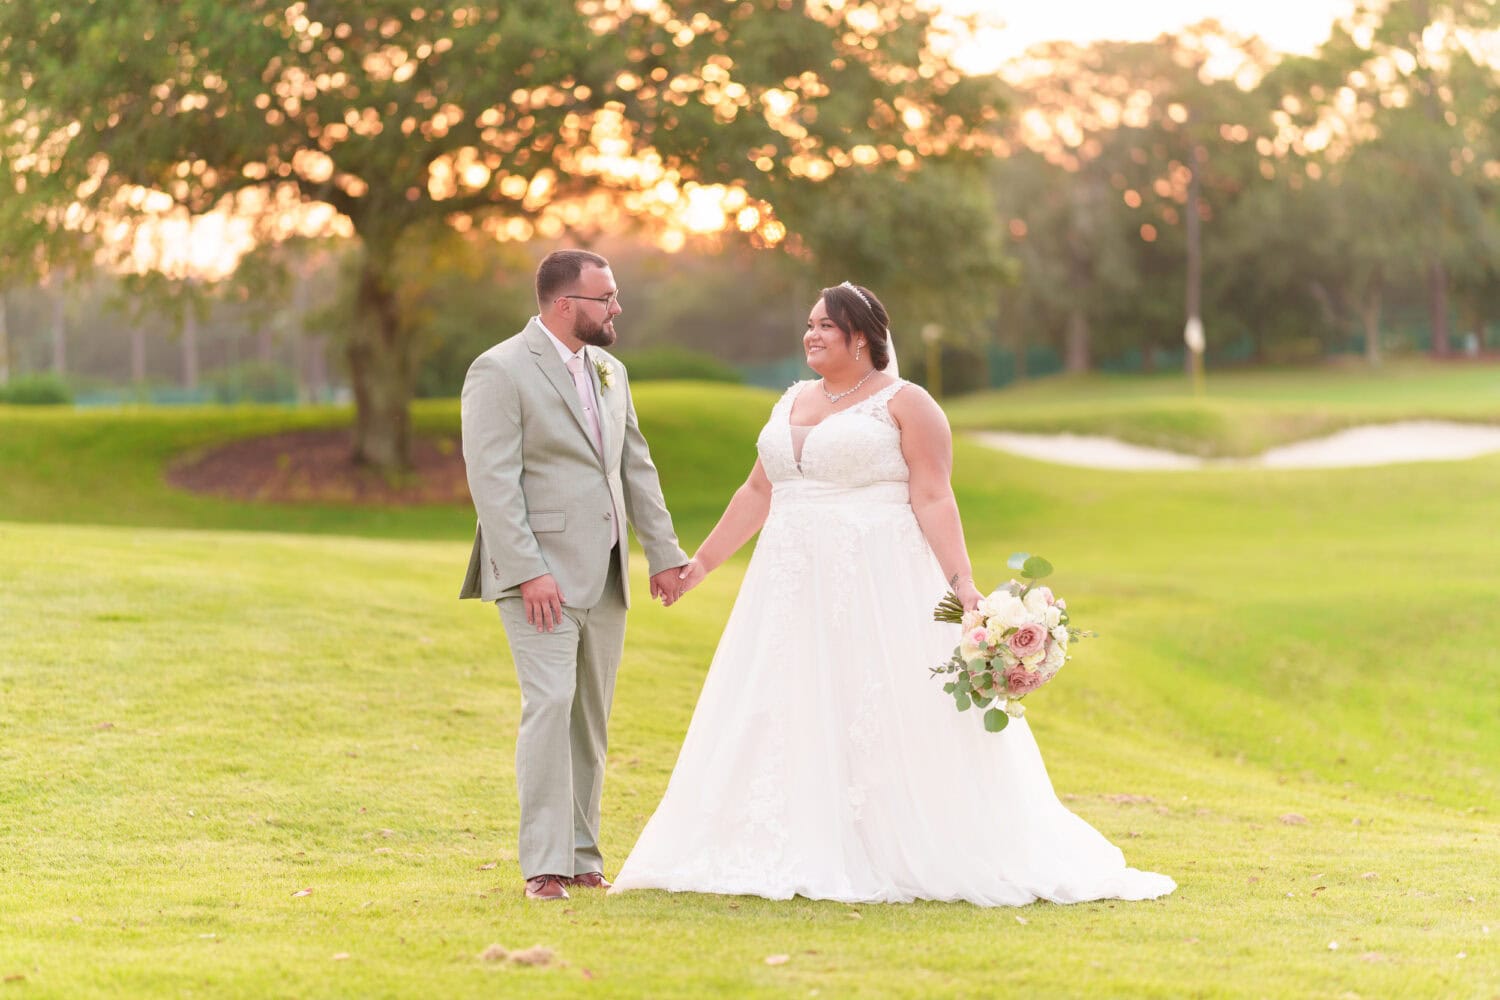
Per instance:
{"type": "Point", "coordinates": [314, 466]}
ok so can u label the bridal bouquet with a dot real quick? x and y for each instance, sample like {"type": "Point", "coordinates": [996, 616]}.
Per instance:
{"type": "Point", "coordinates": [1013, 643]}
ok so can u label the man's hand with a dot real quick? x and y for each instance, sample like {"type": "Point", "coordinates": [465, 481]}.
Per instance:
{"type": "Point", "coordinates": [544, 602]}
{"type": "Point", "coordinates": [664, 586]}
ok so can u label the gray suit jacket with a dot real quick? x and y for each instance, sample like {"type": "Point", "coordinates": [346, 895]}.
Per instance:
{"type": "Point", "coordinates": [544, 497]}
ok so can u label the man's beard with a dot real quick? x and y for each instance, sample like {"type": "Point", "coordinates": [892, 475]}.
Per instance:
{"type": "Point", "coordinates": [591, 332]}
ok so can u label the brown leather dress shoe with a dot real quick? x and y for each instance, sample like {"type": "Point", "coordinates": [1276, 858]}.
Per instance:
{"type": "Point", "coordinates": [547, 887]}
{"type": "Point", "coordinates": [590, 880]}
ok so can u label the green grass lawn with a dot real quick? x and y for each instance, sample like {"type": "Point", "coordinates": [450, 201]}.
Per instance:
{"type": "Point", "coordinates": [1242, 413]}
{"type": "Point", "coordinates": [1291, 709]}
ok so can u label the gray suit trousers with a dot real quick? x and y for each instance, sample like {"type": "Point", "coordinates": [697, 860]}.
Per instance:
{"type": "Point", "coordinates": [567, 679]}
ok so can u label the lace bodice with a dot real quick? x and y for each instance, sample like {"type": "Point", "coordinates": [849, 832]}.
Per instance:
{"type": "Point", "coordinates": [854, 447]}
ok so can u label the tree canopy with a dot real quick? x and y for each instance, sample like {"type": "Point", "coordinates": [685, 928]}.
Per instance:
{"type": "Point", "coordinates": [390, 122]}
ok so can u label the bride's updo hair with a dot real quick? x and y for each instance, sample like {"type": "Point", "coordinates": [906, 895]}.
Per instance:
{"type": "Point", "coordinates": [855, 309]}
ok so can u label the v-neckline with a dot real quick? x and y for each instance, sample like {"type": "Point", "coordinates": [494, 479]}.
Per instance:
{"type": "Point", "coordinates": [791, 439]}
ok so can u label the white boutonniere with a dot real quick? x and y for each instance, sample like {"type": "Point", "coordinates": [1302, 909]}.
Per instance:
{"type": "Point", "coordinates": [606, 372]}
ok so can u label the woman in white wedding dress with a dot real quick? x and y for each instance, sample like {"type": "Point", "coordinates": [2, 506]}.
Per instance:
{"type": "Point", "coordinates": [822, 760]}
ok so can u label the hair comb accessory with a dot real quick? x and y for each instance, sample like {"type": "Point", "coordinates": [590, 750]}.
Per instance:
{"type": "Point", "coordinates": [856, 291]}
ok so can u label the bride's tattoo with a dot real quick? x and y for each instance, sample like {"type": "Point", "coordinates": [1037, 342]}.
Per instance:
{"type": "Point", "coordinates": [953, 580]}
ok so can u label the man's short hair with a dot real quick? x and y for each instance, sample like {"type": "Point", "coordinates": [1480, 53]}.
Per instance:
{"type": "Point", "coordinates": [559, 271]}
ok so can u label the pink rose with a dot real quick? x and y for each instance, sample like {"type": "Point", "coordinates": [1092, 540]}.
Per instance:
{"type": "Point", "coordinates": [979, 636]}
{"type": "Point", "coordinates": [1021, 681]}
{"type": "Point", "coordinates": [1028, 640]}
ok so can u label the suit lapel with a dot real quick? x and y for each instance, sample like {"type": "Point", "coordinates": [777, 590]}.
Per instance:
{"type": "Point", "coordinates": [557, 373]}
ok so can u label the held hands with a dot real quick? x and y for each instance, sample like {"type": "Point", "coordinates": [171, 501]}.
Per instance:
{"type": "Point", "coordinates": [691, 575]}
{"type": "Point", "coordinates": [664, 586]}
{"type": "Point", "coordinates": [544, 602]}
{"type": "Point", "coordinates": [671, 584]}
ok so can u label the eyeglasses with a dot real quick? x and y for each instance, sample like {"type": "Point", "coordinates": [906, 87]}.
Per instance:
{"type": "Point", "coordinates": [608, 300]}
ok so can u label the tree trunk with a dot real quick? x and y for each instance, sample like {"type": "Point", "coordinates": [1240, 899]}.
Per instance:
{"type": "Point", "coordinates": [1077, 350]}
{"type": "Point", "coordinates": [1369, 317]}
{"type": "Point", "coordinates": [4, 343]}
{"type": "Point", "coordinates": [1437, 306]}
{"type": "Point", "coordinates": [382, 369]}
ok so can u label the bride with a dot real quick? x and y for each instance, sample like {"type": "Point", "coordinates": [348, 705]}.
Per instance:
{"type": "Point", "coordinates": [821, 760]}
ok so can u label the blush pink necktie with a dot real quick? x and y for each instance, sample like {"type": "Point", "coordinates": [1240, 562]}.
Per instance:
{"type": "Point", "coordinates": [586, 400]}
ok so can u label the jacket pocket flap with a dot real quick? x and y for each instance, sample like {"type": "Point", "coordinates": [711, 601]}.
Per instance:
{"type": "Point", "coordinates": [547, 520]}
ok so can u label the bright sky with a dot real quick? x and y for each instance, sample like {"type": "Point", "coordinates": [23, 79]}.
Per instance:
{"type": "Point", "coordinates": [1286, 25]}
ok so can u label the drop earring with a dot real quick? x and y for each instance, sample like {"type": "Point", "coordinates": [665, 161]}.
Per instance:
{"type": "Point", "coordinates": [857, 348]}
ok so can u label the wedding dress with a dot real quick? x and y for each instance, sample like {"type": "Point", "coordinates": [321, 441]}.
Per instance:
{"type": "Point", "coordinates": [822, 759]}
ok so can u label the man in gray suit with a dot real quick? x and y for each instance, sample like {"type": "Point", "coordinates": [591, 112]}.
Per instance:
{"type": "Point", "coordinates": [556, 466]}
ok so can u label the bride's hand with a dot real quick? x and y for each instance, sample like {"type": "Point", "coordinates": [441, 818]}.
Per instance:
{"type": "Point", "coordinates": [689, 576]}
{"type": "Point", "coordinates": [968, 594]}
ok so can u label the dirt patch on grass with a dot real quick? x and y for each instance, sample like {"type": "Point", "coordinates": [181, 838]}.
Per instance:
{"type": "Point", "coordinates": [314, 466]}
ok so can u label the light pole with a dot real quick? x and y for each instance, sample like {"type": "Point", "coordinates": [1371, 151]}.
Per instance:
{"type": "Point", "coordinates": [1193, 337]}
{"type": "Point", "coordinates": [932, 336]}
{"type": "Point", "coordinates": [1192, 333]}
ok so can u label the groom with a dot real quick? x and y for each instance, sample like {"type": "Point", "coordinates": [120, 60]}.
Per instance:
{"type": "Point", "coordinates": [556, 465]}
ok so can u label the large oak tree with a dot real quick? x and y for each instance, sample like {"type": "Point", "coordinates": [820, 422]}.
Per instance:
{"type": "Point", "coordinates": [513, 118]}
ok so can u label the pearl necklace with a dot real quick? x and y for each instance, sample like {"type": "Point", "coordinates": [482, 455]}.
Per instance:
{"type": "Point", "coordinates": [834, 397]}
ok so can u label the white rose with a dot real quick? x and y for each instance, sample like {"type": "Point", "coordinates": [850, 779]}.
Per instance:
{"type": "Point", "coordinates": [1036, 601]}
{"type": "Point", "coordinates": [1055, 658]}
{"type": "Point", "coordinates": [1060, 634]}
{"type": "Point", "coordinates": [1052, 616]}
{"type": "Point", "coordinates": [1008, 612]}
{"type": "Point", "coordinates": [1034, 660]}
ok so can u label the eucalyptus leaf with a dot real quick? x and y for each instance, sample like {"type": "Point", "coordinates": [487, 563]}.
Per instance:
{"type": "Point", "coordinates": [1036, 568]}
{"type": "Point", "coordinates": [962, 702]}
{"type": "Point", "coordinates": [1018, 560]}
{"type": "Point", "coordinates": [995, 720]}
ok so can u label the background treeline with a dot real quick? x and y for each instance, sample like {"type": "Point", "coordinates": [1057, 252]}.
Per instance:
{"type": "Point", "coordinates": [1337, 204]}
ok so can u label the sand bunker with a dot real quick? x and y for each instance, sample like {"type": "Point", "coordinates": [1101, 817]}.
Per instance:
{"type": "Point", "coordinates": [1376, 444]}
